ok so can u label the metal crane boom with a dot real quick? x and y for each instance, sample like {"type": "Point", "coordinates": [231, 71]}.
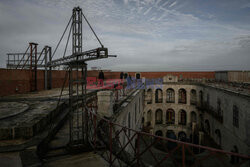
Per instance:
{"type": "Point", "coordinates": [82, 57]}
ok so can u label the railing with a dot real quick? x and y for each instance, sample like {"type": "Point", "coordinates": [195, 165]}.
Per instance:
{"type": "Point", "coordinates": [122, 146]}
{"type": "Point", "coordinates": [210, 110]}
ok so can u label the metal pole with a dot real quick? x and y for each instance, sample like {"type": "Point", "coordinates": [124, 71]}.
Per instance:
{"type": "Point", "coordinates": [70, 106]}
{"type": "Point", "coordinates": [31, 56]}
{"type": "Point", "coordinates": [50, 69]}
{"type": "Point", "coordinates": [110, 144]}
{"type": "Point", "coordinates": [46, 69]}
{"type": "Point", "coordinates": [35, 70]}
{"type": "Point", "coordinates": [138, 149]}
{"type": "Point", "coordinates": [94, 131]}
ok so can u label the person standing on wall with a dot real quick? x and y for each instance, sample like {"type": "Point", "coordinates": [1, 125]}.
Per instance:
{"type": "Point", "coordinates": [121, 75]}
{"type": "Point", "coordinates": [101, 77]}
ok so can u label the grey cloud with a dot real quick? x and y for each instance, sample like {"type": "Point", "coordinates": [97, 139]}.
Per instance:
{"type": "Point", "coordinates": [173, 42]}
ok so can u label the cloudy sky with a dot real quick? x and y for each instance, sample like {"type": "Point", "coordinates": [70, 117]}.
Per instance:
{"type": "Point", "coordinates": [147, 35]}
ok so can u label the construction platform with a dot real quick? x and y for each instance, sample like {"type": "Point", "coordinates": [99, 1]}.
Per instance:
{"type": "Point", "coordinates": [27, 119]}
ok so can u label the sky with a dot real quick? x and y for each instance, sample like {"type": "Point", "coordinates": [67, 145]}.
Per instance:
{"type": "Point", "coordinates": [146, 35]}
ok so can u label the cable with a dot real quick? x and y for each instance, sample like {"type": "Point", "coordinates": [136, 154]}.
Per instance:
{"type": "Point", "coordinates": [67, 41]}
{"type": "Point", "coordinates": [61, 38]}
{"type": "Point", "coordinates": [92, 30]}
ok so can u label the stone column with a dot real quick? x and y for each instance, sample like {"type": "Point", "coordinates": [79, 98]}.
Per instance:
{"type": "Point", "coordinates": [176, 117]}
{"type": "Point", "coordinates": [176, 95]}
{"type": "Point", "coordinates": [153, 96]}
{"type": "Point", "coordinates": [105, 103]}
{"type": "Point", "coordinates": [188, 117]}
{"type": "Point", "coordinates": [188, 96]}
{"type": "Point", "coordinates": [163, 117]}
{"type": "Point", "coordinates": [153, 118]}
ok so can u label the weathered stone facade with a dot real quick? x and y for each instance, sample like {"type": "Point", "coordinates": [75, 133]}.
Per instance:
{"type": "Point", "coordinates": [210, 105]}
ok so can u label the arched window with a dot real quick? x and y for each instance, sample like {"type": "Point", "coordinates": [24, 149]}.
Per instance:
{"type": "Point", "coordinates": [170, 134]}
{"type": "Point", "coordinates": [182, 117]}
{"type": "Point", "coordinates": [208, 100]}
{"type": "Point", "coordinates": [218, 137]}
{"type": "Point", "coordinates": [170, 96]}
{"type": "Point", "coordinates": [235, 116]}
{"type": "Point", "coordinates": [193, 97]}
{"type": "Point", "coordinates": [149, 117]}
{"type": "Point", "coordinates": [182, 136]}
{"type": "Point", "coordinates": [149, 96]}
{"type": "Point", "coordinates": [193, 117]}
{"type": "Point", "coordinates": [138, 76]}
{"type": "Point", "coordinates": [158, 116]}
{"type": "Point", "coordinates": [170, 116]}
{"type": "Point", "coordinates": [158, 96]}
{"type": "Point", "coordinates": [219, 112]}
{"type": "Point", "coordinates": [158, 133]}
{"type": "Point", "coordinates": [207, 127]}
{"type": "Point", "coordinates": [182, 96]}
{"type": "Point", "coordinates": [201, 98]}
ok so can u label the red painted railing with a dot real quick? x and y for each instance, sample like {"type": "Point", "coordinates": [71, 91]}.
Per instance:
{"type": "Point", "coordinates": [122, 146]}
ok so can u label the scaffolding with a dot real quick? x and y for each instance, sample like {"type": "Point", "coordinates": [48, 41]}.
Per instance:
{"type": "Point", "coordinates": [32, 60]}
{"type": "Point", "coordinates": [77, 73]}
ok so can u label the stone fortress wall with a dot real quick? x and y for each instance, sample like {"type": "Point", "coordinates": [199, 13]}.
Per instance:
{"type": "Point", "coordinates": [184, 108]}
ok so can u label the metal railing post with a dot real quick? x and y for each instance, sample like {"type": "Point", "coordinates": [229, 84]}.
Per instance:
{"type": "Point", "coordinates": [138, 149]}
{"type": "Point", "coordinates": [183, 155]}
{"type": "Point", "coordinates": [46, 69]}
{"type": "Point", "coordinates": [110, 143]}
{"type": "Point", "coordinates": [94, 131]}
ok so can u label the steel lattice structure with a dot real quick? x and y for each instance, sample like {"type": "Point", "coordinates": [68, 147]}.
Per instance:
{"type": "Point", "coordinates": [77, 73]}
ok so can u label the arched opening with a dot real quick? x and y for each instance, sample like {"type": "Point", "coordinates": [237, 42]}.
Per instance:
{"type": "Point", "coordinates": [149, 117]}
{"type": "Point", "coordinates": [182, 96]}
{"type": "Point", "coordinates": [149, 96]}
{"type": "Point", "coordinates": [182, 117]}
{"type": "Point", "coordinates": [235, 116]}
{"type": "Point", "coordinates": [170, 96]}
{"type": "Point", "coordinates": [158, 133]}
{"type": "Point", "coordinates": [193, 97]}
{"type": "Point", "coordinates": [208, 100]}
{"type": "Point", "coordinates": [170, 134]}
{"type": "Point", "coordinates": [158, 116]}
{"type": "Point", "coordinates": [138, 76]}
{"type": "Point", "coordinates": [193, 117]}
{"type": "Point", "coordinates": [158, 96]}
{"type": "Point", "coordinates": [170, 116]}
{"type": "Point", "coordinates": [182, 136]}
{"type": "Point", "coordinates": [218, 137]}
{"type": "Point", "coordinates": [201, 98]}
{"type": "Point", "coordinates": [219, 111]}
{"type": "Point", "coordinates": [207, 127]}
